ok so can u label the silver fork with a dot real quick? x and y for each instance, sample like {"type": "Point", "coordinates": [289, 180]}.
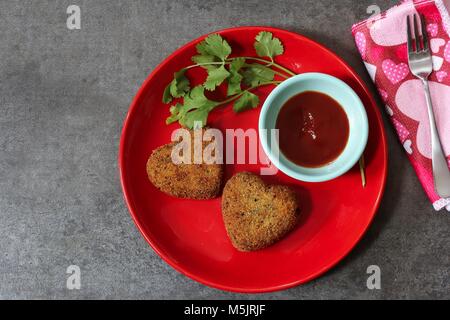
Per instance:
{"type": "Point", "coordinates": [421, 65]}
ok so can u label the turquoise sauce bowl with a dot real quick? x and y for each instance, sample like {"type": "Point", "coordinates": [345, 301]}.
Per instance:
{"type": "Point", "coordinates": [339, 91]}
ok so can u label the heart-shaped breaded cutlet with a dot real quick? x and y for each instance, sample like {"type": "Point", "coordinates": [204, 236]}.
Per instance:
{"type": "Point", "coordinates": [189, 181]}
{"type": "Point", "coordinates": [257, 215]}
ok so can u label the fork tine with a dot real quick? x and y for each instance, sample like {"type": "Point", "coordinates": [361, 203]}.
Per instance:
{"type": "Point", "coordinates": [416, 34]}
{"type": "Point", "coordinates": [424, 33]}
{"type": "Point", "coordinates": [408, 28]}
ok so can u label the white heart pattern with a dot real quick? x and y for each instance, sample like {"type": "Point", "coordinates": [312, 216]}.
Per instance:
{"type": "Point", "coordinates": [408, 146]}
{"type": "Point", "coordinates": [403, 133]}
{"type": "Point", "coordinates": [433, 29]}
{"type": "Point", "coordinates": [372, 70]}
{"type": "Point", "coordinates": [361, 43]}
{"type": "Point", "coordinates": [395, 72]}
{"type": "Point", "coordinates": [447, 52]}
{"type": "Point", "coordinates": [384, 95]}
{"type": "Point", "coordinates": [437, 63]}
{"type": "Point", "coordinates": [391, 30]}
{"type": "Point", "coordinates": [441, 75]}
{"type": "Point", "coordinates": [389, 111]}
{"type": "Point", "coordinates": [410, 101]}
{"type": "Point", "coordinates": [436, 44]}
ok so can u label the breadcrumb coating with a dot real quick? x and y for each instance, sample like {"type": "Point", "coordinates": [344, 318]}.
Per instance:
{"type": "Point", "coordinates": [188, 181]}
{"type": "Point", "coordinates": [257, 215]}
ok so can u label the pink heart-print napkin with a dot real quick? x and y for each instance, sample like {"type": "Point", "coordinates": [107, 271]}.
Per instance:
{"type": "Point", "coordinates": [381, 41]}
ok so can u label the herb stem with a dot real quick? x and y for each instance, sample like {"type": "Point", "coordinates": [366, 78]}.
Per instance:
{"type": "Point", "coordinates": [267, 66]}
{"type": "Point", "coordinates": [204, 64]}
{"type": "Point", "coordinates": [270, 63]}
{"type": "Point", "coordinates": [362, 168]}
{"type": "Point", "coordinates": [249, 89]}
{"type": "Point", "coordinates": [281, 74]}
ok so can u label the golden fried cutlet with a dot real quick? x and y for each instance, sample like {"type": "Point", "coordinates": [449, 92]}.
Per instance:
{"type": "Point", "coordinates": [257, 215]}
{"type": "Point", "coordinates": [189, 181]}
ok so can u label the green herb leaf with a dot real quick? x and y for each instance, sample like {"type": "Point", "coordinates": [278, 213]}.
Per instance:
{"type": "Point", "coordinates": [234, 85]}
{"type": "Point", "coordinates": [214, 45]}
{"type": "Point", "coordinates": [202, 60]}
{"type": "Point", "coordinates": [167, 97]}
{"type": "Point", "coordinates": [197, 116]}
{"type": "Point", "coordinates": [235, 78]}
{"type": "Point", "coordinates": [214, 56]}
{"type": "Point", "coordinates": [174, 114]}
{"type": "Point", "coordinates": [215, 78]}
{"type": "Point", "coordinates": [268, 46]}
{"type": "Point", "coordinates": [237, 64]}
{"type": "Point", "coordinates": [178, 87]}
{"type": "Point", "coordinates": [247, 101]}
{"type": "Point", "coordinates": [196, 108]}
{"type": "Point", "coordinates": [255, 74]}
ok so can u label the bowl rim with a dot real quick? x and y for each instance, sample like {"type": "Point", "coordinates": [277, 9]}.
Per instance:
{"type": "Point", "coordinates": [353, 154]}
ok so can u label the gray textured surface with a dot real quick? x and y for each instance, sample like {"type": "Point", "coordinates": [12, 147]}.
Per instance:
{"type": "Point", "coordinates": [63, 97]}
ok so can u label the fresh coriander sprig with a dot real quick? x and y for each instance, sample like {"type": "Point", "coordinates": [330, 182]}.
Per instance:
{"type": "Point", "coordinates": [197, 106]}
{"type": "Point", "coordinates": [213, 55]}
{"type": "Point", "coordinates": [241, 74]}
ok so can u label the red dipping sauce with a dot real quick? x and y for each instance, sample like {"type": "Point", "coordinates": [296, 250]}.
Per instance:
{"type": "Point", "coordinates": [314, 129]}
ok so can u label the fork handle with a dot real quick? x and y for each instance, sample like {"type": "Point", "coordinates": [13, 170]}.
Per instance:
{"type": "Point", "coordinates": [441, 172]}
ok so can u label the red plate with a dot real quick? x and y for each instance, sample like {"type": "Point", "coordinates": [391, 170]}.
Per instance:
{"type": "Point", "coordinates": [190, 235]}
